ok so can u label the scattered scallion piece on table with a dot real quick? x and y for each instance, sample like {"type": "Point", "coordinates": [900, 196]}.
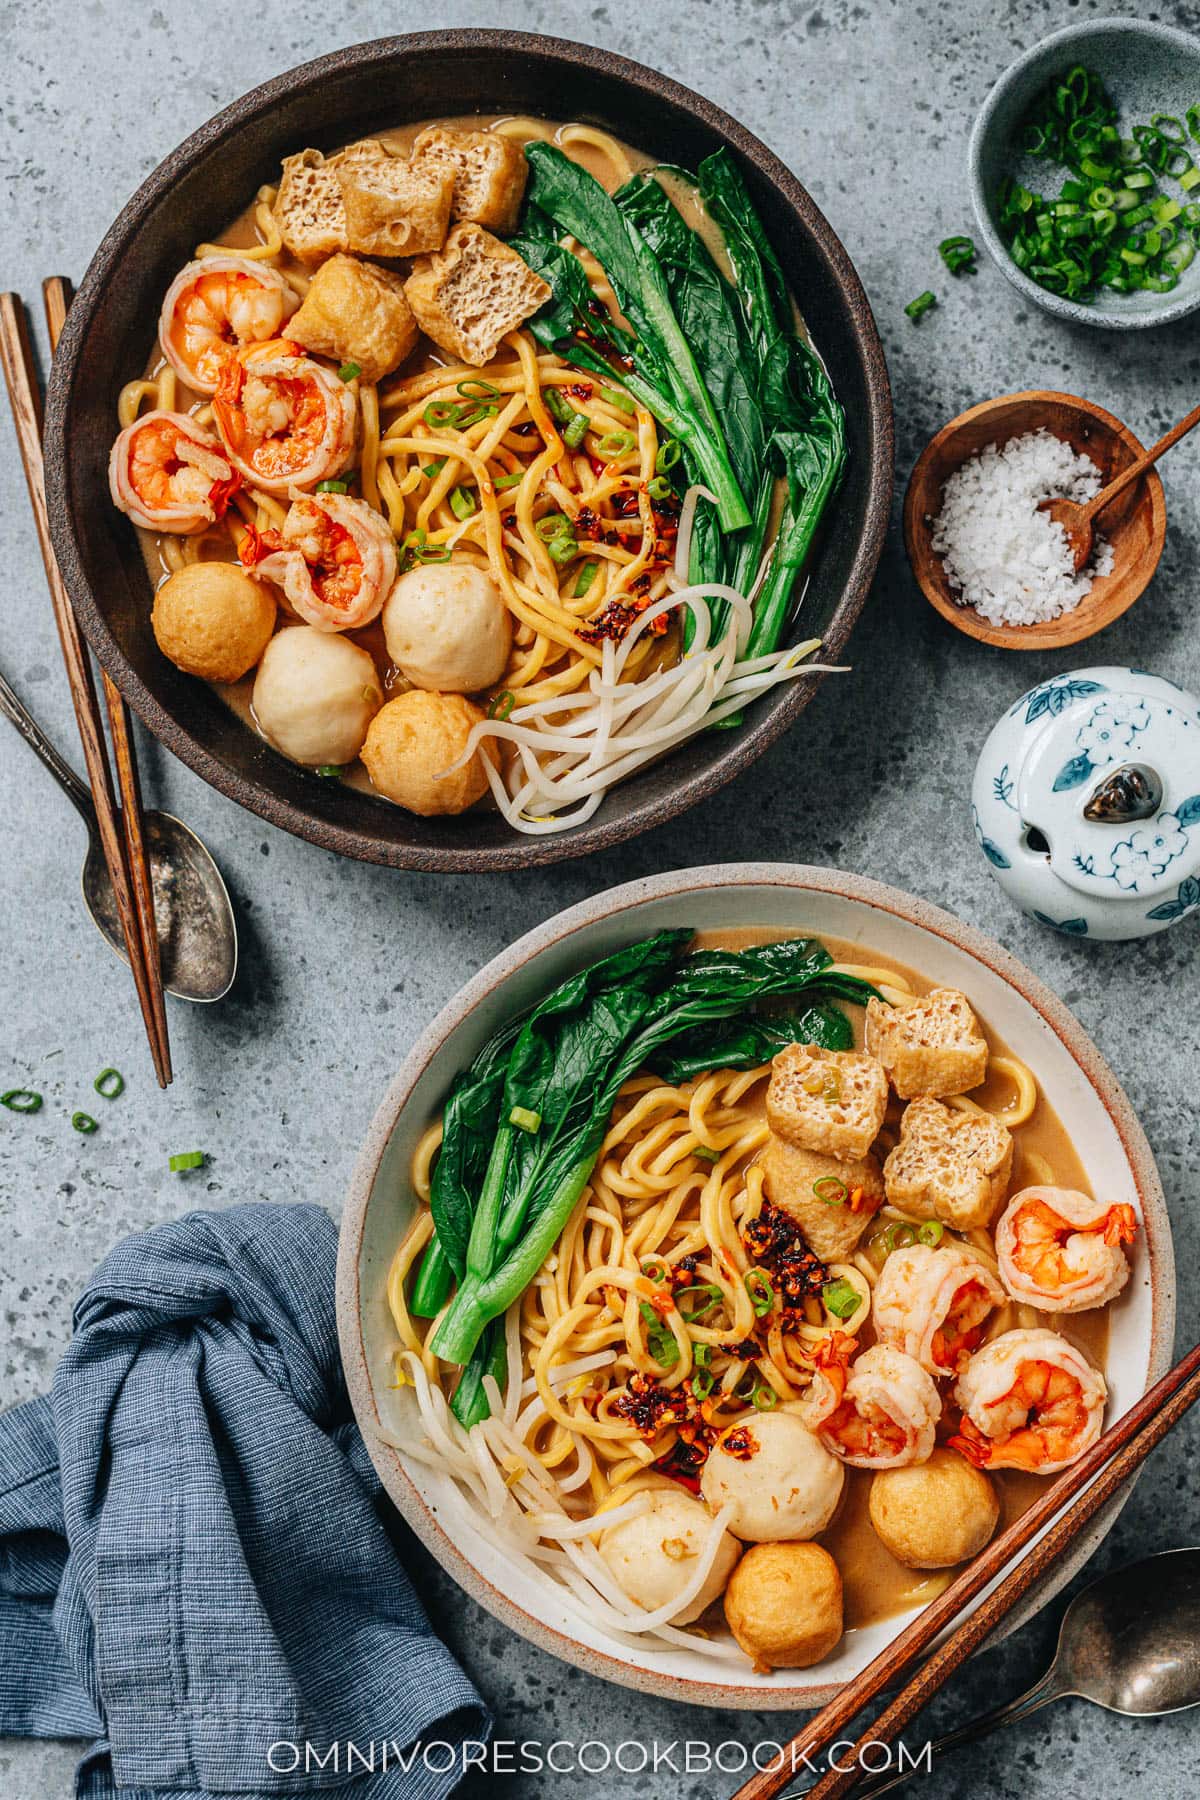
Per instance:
{"type": "Point", "coordinates": [84, 1123]}
{"type": "Point", "coordinates": [958, 254]}
{"type": "Point", "coordinates": [185, 1160]}
{"type": "Point", "coordinates": [21, 1100]}
{"type": "Point", "coordinates": [916, 309]}
{"type": "Point", "coordinates": [109, 1084]}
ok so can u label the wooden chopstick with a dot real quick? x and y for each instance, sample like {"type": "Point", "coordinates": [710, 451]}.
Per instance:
{"type": "Point", "coordinates": [1108, 1464]}
{"type": "Point", "coordinates": [16, 357]}
{"type": "Point", "coordinates": [56, 298]}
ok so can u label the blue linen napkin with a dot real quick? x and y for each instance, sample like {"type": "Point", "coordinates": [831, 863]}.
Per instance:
{"type": "Point", "coordinates": [194, 1567]}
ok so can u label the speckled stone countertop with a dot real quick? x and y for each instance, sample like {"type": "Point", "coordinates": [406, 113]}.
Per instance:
{"type": "Point", "coordinates": [341, 964]}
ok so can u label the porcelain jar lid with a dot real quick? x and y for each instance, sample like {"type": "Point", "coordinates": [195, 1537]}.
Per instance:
{"type": "Point", "coordinates": [1110, 780]}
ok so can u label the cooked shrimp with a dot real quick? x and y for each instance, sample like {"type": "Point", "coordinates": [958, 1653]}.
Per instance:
{"type": "Point", "coordinates": [932, 1304]}
{"type": "Point", "coordinates": [1030, 1401]}
{"type": "Point", "coordinates": [216, 306]}
{"type": "Point", "coordinates": [1062, 1252]}
{"type": "Point", "coordinates": [170, 475]}
{"type": "Point", "coordinates": [886, 1416]}
{"type": "Point", "coordinates": [335, 559]}
{"type": "Point", "coordinates": [285, 421]}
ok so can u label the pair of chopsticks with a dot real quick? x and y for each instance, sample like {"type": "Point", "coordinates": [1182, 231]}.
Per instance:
{"type": "Point", "coordinates": [122, 833]}
{"type": "Point", "coordinates": [1106, 1466]}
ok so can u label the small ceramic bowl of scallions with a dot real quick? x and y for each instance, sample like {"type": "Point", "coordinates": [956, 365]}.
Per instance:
{"type": "Point", "coordinates": [1085, 171]}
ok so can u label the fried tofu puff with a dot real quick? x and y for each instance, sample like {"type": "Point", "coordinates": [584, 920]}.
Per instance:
{"type": "Point", "coordinates": [358, 315]}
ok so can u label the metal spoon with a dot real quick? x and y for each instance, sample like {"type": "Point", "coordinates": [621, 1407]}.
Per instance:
{"type": "Point", "coordinates": [1076, 517]}
{"type": "Point", "coordinates": [1130, 1642]}
{"type": "Point", "coordinates": [197, 933]}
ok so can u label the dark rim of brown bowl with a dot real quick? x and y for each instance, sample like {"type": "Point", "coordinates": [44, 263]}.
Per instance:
{"type": "Point", "coordinates": [614, 823]}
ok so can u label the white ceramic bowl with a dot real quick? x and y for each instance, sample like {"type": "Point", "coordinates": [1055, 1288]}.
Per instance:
{"type": "Point", "coordinates": [827, 903]}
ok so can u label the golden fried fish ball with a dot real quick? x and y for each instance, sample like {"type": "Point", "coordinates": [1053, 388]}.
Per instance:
{"type": "Point", "coordinates": [778, 1477]}
{"type": "Point", "coordinates": [315, 694]}
{"type": "Point", "coordinates": [783, 1604]}
{"type": "Point", "coordinates": [653, 1556]}
{"type": "Point", "coordinates": [412, 740]}
{"type": "Point", "coordinates": [212, 620]}
{"type": "Point", "coordinates": [936, 1513]}
{"type": "Point", "coordinates": [447, 628]}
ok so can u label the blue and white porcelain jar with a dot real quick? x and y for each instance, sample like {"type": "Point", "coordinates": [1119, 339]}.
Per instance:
{"type": "Point", "coordinates": [1086, 803]}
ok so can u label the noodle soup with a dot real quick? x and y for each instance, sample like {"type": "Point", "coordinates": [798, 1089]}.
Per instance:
{"type": "Point", "coordinates": [521, 571]}
{"type": "Point", "coordinates": [681, 1410]}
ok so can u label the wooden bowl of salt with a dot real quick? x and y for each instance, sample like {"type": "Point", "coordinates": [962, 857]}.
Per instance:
{"type": "Point", "coordinates": [1135, 524]}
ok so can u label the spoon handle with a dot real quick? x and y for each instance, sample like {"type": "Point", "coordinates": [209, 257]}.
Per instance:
{"type": "Point", "coordinates": [1040, 1694]}
{"type": "Point", "coordinates": [18, 714]}
{"type": "Point", "coordinates": [1141, 465]}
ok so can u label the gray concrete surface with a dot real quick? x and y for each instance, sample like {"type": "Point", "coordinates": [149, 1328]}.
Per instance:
{"type": "Point", "coordinates": [871, 104]}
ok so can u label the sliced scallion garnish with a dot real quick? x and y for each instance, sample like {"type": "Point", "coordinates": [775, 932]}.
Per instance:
{"type": "Point", "coordinates": [184, 1160]}
{"type": "Point", "coordinates": [524, 1119]}
{"type": "Point", "coordinates": [349, 371]}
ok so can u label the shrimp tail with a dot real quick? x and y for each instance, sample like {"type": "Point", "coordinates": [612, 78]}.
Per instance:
{"type": "Point", "coordinates": [1120, 1225]}
{"type": "Point", "coordinates": [970, 1443]}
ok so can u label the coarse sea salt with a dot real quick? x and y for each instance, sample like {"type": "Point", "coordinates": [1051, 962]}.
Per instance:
{"type": "Point", "coordinates": [1002, 556]}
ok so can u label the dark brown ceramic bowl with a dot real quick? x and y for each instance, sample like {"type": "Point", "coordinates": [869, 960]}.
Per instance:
{"type": "Point", "coordinates": [192, 196]}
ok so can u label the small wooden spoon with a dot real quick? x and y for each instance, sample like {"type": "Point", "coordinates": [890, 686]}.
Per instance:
{"type": "Point", "coordinates": [1076, 518]}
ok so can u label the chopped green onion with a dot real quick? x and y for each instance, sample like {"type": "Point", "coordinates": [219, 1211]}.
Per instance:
{"type": "Point", "coordinates": [916, 309]}
{"type": "Point", "coordinates": [462, 503]}
{"type": "Point", "coordinates": [764, 1398]}
{"type": "Point", "coordinates": [329, 771]}
{"type": "Point", "coordinates": [575, 430]}
{"type": "Point", "coordinates": [899, 1237]}
{"type": "Point", "coordinates": [524, 1119]}
{"type": "Point", "coordinates": [554, 525]}
{"type": "Point", "coordinates": [655, 1269]}
{"type": "Point", "coordinates": [349, 371]}
{"type": "Point", "coordinates": [473, 388]}
{"type": "Point", "coordinates": [702, 1354]}
{"type": "Point", "coordinates": [471, 415]}
{"type": "Point", "coordinates": [931, 1232]}
{"type": "Point", "coordinates": [702, 1378]}
{"type": "Point", "coordinates": [615, 443]}
{"type": "Point", "coordinates": [332, 487]}
{"type": "Point", "coordinates": [109, 1084]}
{"type": "Point", "coordinates": [185, 1160]}
{"type": "Point", "coordinates": [585, 579]}
{"type": "Point", "coordinates": [499, 482]}
{"type": "Point", "coordinates": [415, 549]}
{"type": "Point", "coordinates": [710, 1296]}
{"type": "Point", "coordinates": [501, 705]}
{"type": "Point", "coordinates": [832, 1191]}
{"type": "Point", "coordinates": [841, 1298]}
{"type": "Point", "coordinates": [621, 401]}
{"type": "Point", "coordinates": [434, 468]}
{"type": "Point", "coordinates": [556, 406]}
{"type": "Point", "coordinates": [21, 1100]}
{"type": "Point", "coordinates": [563, 549]}
{"type": "Point", "coordinates": [1192, 116]}
{"type": "Point", "coordinates": [84, 1122]}
{"type": "Point", "coordinates": [669, 453]}
{"type": "Point", "coordinates": [659, 488]}
{"type": "Point", "coordinates": [440, 413]}
{"type": "Point", "coordinates": [660, 1339]}
{"type": "Point", "coordinates": [958, 254]}
{"type": "Point", "coordinates": [761, 1291]}
{"type": "Point", "coordinates": [703, 1153]}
